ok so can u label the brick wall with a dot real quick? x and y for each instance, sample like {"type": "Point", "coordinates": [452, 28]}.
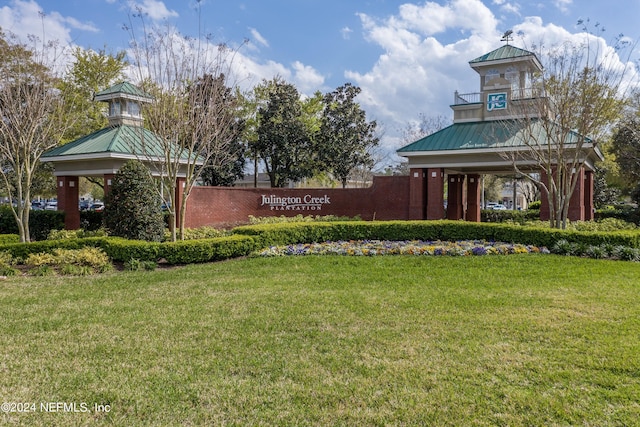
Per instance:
{"type": "Point", "coordinates": [386, 199]}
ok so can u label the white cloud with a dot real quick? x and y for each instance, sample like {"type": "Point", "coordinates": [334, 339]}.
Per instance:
{"type": "Point", "coordinates": [418, 72]}
{"type": "Point", "coordinates": [563, 5]}
{"type": "Point", "coordinates": [306, 78]}
{"type": "Point", "coordinates": [26, 18]}
{"type": "Point", "coordinates": [155, 9]}
{"type": "Point", "coordinates": [346, 33]}
{"type": "Point", "coordinates": [257, 37]}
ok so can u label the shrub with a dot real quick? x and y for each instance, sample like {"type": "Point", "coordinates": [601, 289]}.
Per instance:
{"type": "Point", "coordinates": [75, 234]}
{"type": "Point", "coordinates": [9, 238]}
{"type": "Point", "coordinates": [122, 250]}
{"type": "Point", "coordinates": [22, 250]}
{"type": "Point", "coordinates": [6, 264]}
{"type": "Point", "coordinates": [40, 222]}
{"type": "Point", "coordinates": [91, 220]}
{"type": "Point", "coordinates": [132, 206]}
{"type": "Point", "coordinates": [535, 205]}
{"type": "Point", "coordinates": [199, 233]}
{"type": "Point", "coordinates": [283, 234]}
{"type": "Point", "coordinates": [79, 262]}
{"type": "Point", "coordinates": [519, 217]}
{"type": "Point", "coordinates": [206, 250]}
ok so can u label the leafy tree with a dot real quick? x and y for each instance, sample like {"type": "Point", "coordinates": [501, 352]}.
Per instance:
{"type": "Point", "coordinates": [167, 64]}
{"type": "Point", "coordinates": [284, 140]}
{"type": "Point", "coordinates": [32, 119]}
{"type": "Point", "coordinates": [625, 145]}
{"type": "Point", "coordinates": [133, 206]}
{"type": "Point", "coordinates": [581, 89]}
{"type": "Point", "coordinates": [89, 73]}
{"type": "Point", "coordinates": [221, 168]}
{"type": "Point", "coordinates": [345, 136]}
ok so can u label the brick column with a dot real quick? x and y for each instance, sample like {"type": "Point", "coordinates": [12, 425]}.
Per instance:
{"type": "Point", "coordinates": [588, 196]}
{"type": "Point", "coordinates": [417, 193]}
{"type": "Point", "coordinates": [67, 189]}
{"type": "Point", "coordinates": [473, 198]}
{"type": "Point", "coordinates": [576, 203]}
{"type": "Point", "coordinates": [454, 197]}
{"type": "Point", "coordinates": [108, 179]}
{"type": "Point", "coordinates": [435, 193]}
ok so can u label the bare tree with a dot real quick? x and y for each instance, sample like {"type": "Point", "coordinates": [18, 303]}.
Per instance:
{"type": "Point", "coordinates": [425, 127]}
{"type": "Point", "coordinates": [32, 117]}
{"type": "Point", "coordinates": [194, 114]}
{"type": "Point", "coordinates": [581, 93]}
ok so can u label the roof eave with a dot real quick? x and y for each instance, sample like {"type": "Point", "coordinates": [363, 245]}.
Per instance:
{"type": "Point", "coordinates": [113, 155]}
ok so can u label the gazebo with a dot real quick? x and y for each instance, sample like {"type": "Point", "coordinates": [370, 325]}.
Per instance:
{"type": "Point", "coordinates": [102, 153]}
{"type": "Point", "coordinates": [487, 134]}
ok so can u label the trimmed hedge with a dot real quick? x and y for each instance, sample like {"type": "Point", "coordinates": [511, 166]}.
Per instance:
{"type": "Point", "coordinates": [123, 250]}
{"type": "Point", "coordinates": [206, 250]}
{"type": "Point", "coordinates": [488, 215]}
{"type": "Point", "coordinates": [23, 250]}
{"type": "Point", "coordinates": [41, 222]}
{"type": "Point", "coordinates": [283, 234]}
{"type": "Point", "coordinates": [120, 249]}
{"type": "Point", "coordinates": [247, 239]}
{"type": "Point", "coordinates": [9, 238]}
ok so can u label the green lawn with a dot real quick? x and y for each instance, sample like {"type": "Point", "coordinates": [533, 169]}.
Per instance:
{"type": "Point", "coordinates": [503, 340]}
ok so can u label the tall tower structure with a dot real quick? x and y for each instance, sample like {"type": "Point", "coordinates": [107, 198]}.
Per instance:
{"type": "Point", "coordinates": [506, 87]}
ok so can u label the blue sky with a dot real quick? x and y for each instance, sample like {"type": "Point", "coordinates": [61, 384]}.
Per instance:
{"type": "Point", "coordinates": [407, 56]}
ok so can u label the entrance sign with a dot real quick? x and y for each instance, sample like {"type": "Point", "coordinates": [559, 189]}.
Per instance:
{"type": "Point", "coordinates": [497, 101]}
{"type": "Point", "coordinates": [304, 203]}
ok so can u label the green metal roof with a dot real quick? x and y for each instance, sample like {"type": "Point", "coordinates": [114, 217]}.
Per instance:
{"type": "Point", "coordinates": [477, 135]}
{"type": "Point", "coordinates": [124, 88]}
{"type": "Point", "coordinates": [504, 52]}
{"type": "Point", "coordinates": [123, 139]}
{"type": "Point", "coordinates": [462, 136]}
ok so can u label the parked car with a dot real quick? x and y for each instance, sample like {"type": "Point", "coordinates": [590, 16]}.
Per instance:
{"type": "Point", "coordinates": [51, 206]}
{"type": "Point", "coordinates": [84, 205]}
{"type": "Point", "coordinates": [37, 206]}
{"type": "Point", "coordinates": [98, 207]}
{"type": "Point", "coordinates": [499, 207]}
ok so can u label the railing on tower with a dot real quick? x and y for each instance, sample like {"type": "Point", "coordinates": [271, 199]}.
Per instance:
{"type": "Point", "coordinates": [476, 97]}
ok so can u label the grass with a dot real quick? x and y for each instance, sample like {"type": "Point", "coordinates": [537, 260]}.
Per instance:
{"type": "Point", "coordinates": [398, 340]}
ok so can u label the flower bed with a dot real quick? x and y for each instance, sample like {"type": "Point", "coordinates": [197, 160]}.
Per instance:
{"type": "Point", "coordinates": [412, 247]}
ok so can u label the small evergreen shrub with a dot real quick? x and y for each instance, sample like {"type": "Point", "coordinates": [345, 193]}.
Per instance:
{"type": "Point", "coordinates": [132, 206]}
{"type": "Point", "coordinates": [75, 234]}
{"type": "Point", "coordinates": [6, 264]}
{"type": "Point", "coordinates": [535, 205]}
{"type": "Point", "coordinates": [77, 262]}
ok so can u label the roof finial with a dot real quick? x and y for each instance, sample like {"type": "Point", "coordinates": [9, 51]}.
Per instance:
{"type": "Point", "coordinates": [506, 37]}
